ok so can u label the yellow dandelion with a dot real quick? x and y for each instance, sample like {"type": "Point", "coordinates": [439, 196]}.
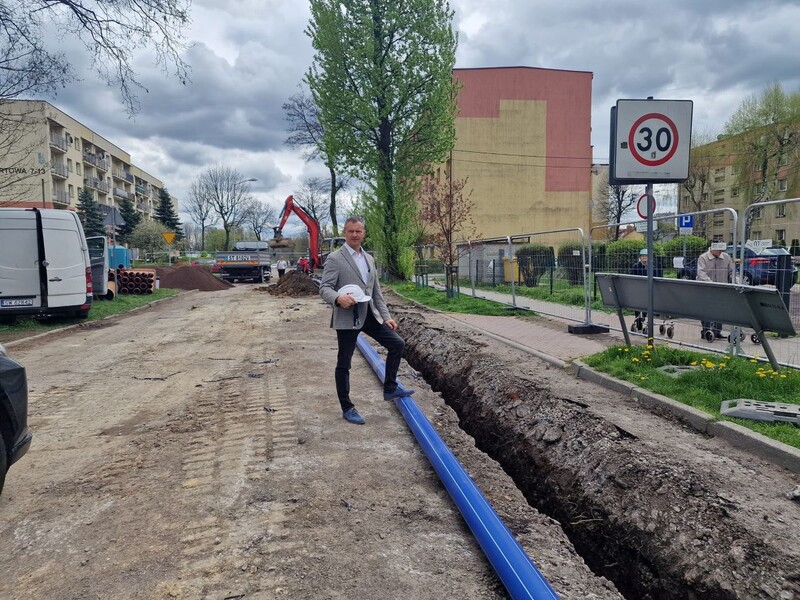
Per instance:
{"type": "Point", "coordinates": [722, 364]}
{"type": "Point", "coordinates": [693, 363]}
{"type": "Point", "coordinates": [761, 375]}
{"type": "Point", "coordinates": [634, 359]}
{"type": "Point", "coordinates": [650, 346]}
{"type": "Point", "coordinates": [627, 349]}
{"type": "Point", "coordinates": [783, 376]}
{"type": "Point", "coordinates": [753, 360]}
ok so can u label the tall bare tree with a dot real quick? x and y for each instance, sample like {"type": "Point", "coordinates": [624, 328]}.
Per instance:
{"type": "Point", "coordinates": [312, 195]}
{"type": "Point", "coordinates": [616, 201]}
{"type": "Point", "coordinates": [448, 210]}
{"type": "Point", "coordinates": [228, 194]}
{"type": "Point", "coordinates": [305, 131]}
{"type": "Point", "coordinates": [260, 217]}
{"type": "Point", "coordinates": [200, 210]}
{"type": "Point", "coordinates": [111, 31]}
{"type": "Point", "coordinates": [695, 193]}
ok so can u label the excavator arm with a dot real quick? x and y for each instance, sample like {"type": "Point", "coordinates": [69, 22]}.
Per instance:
{"type": "Point", "coordinates": [289, 207]}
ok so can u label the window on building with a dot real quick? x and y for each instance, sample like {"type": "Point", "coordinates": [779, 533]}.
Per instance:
{"type": "Point", "coordinates": [719, 171]}
{"type": "Point", "coordinates": [758, 167]}
{"type": "Point", "coordinates": [719, 196]}
{"type": "Point", "coordinates": [780, 235]}
{"type": "Point", "coordinates": [780, 210]}
{"type": "Point", "coordinates": [756, 213]}
{"type": "Point", "coordinates": [718, 222]}
{"type": "Point", "coordinates": [782, 185]}
{"type": "Point", "coordinates": [77, 144]}
{"type": "Point", "coordinates": [69, 165]}
{"type": "Point", "coordinates": [78, 168]}
{"type": "Point", "coordinates": [755, 234]}
{"type": "Point", "coordinates": [71, 191]}
{"type": "Point", "coordinates": [734, 192]}
{"type": "Point", "coordinates": [79, 192]}
{"type": "Point", "coordinates": [718, 237]}
{"type": "Point", "coordinates": [783, 160]}
{"type": "Point", "coordinates": [704, 197]}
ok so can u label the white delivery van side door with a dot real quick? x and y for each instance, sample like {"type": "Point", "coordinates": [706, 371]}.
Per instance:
{"type": "Point", "coordinates": [67, 258]}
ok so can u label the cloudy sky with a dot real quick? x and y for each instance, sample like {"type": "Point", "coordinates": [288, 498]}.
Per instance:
{"type": "Point", "coordinates": [248, 56]}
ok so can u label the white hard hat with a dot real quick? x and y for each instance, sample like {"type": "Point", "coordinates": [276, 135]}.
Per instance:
{"type": "Point", "coordinates": [355, 291]}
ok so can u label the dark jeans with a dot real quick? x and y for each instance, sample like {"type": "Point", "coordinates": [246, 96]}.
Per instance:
{"type": "Point", "coordinates": [281, 272]}
{"type": "Point", "coordinates": [381, 333]}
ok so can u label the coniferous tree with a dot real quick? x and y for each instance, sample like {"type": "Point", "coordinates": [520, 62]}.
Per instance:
{"type": "Point", "coordinates": [132, 218]}
{"type": "Point", "coordinates": [165, 214]}
{"type": "Point", "coordinates": [91, 214]}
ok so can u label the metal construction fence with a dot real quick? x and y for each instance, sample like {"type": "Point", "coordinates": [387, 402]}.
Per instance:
{"type": "Point", "coordinates": [552, 272]}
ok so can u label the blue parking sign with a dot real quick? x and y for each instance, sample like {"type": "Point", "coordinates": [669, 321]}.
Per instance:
{"type": "Point", "coordinates": [685, 220]}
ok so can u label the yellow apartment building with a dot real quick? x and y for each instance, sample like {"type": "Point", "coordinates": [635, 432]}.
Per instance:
{"type": "Point", "coordinates": [49, 158]}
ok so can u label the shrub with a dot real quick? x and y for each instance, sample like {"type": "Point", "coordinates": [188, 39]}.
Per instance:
{"type": "Point", "coordinates": [534, 261]}
{"type": "Point", "coordinates": [570, 259]}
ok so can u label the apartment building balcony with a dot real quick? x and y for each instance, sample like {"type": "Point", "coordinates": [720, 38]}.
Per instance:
{"type": "Point", "coordinates": [60, 197]}
{"type": "Point", "coordinates": [120, 193]}
{"type": "Point", "coordinates": [142, 190]}
{"type": "Point", "coordinates": [59, 170]}
{"type": "Point", "coordinates": [91, 182]}
{"type": "Point", "coordinates": [143, 206]}
{"type": "Point", "coordinates": [120, 174]}
{"type": "Point", "coordinates": [102, 187]}
{"type": "Point", "coordinates": [58, 142]}
{"type": "Point", "coordinates": [97, 161]}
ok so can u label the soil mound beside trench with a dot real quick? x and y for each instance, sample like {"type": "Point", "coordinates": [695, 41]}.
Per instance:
{"type": "Point", "coordinates": [656, 523]}
{"type": "Point", "coordinates": [190, 278]}
{"type": "Point", "coordinates": [294, 284]}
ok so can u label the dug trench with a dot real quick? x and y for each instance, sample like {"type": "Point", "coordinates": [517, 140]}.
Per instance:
{"type": "Point", "coordinates": [660, 520]}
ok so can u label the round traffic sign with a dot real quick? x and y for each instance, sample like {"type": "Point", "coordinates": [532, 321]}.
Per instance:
{"type": "Point", "coordinates": [653, 139]}
{"type": "Point", "coordinates": [641, 207]}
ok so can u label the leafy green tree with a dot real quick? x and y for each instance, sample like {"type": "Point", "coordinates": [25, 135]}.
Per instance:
{"type": "Point", "coordinates": [147, 237]}
{"type": "Point", "coordinates": [383, 83]}
{"type": "Point", "coordinates": [91, 214]}
{"type": "Point", "coordinates": [165, 214]}
{"type": "Point", "coordinates": [766, 132]}
{"type": "Point", "coordinates": [132, 218]}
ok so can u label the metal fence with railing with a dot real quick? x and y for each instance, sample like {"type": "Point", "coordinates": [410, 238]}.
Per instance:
{"type": "Point", "coordinates": [552, 272]}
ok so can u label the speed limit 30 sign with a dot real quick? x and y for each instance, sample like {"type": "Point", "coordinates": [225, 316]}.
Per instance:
{"type": "Point", "coordinates": [650, 141]}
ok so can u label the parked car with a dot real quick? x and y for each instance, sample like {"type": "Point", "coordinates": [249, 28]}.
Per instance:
{"type": "Point", "coordinates": [206, 262]}
{"type": "Point", "coordinates": [760, 268]}
{"type": "Point", "coordinates": [15, 438]}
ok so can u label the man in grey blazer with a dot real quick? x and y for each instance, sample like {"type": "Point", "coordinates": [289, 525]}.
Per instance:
{"type": "Point", "coordinates": [351, 265]}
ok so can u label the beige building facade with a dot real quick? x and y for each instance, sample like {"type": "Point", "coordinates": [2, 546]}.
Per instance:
{"type": "Point", "coordinates": [51, 158]}
{"type": "Point", "coordinates": [523, 144]}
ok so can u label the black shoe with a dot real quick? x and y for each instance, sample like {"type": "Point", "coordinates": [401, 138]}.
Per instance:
{"type": "Point", "coordinates": [351, 415]}
{"type": "Point", "coordinates": [397, 393]}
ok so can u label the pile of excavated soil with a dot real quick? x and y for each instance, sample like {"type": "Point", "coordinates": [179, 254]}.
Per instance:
{"type": "Point", "coordinates": [294, 283]}
{"type": "Point", "coordinates": [190, 278]}
{"type": "Point", "coordinates": [662, 516]}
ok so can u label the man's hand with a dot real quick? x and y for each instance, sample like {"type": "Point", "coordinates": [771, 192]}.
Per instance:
{"type": "Point", "coordinates": [392, 324]}
{"type": "Point", "coordinates": [346, 301]}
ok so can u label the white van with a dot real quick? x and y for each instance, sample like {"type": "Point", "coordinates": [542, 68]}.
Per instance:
{"type": "Point", "coordinates": [44, 264]}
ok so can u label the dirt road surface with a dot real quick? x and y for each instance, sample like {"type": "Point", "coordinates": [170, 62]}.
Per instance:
{"type": "Point", "coordinates": [195, 449]}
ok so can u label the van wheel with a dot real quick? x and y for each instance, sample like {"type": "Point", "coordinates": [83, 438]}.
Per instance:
{"type": "Point", "coordinates": [82, 314]}
{"type": "Point", "coordinates": [7, 319]}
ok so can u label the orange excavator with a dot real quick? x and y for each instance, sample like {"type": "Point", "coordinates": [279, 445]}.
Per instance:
{"type": "Point", "coordinates": [318, 249]}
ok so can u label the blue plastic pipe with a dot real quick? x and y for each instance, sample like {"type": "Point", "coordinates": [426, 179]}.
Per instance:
{"type": "Point", "coordinates": [515, 569]}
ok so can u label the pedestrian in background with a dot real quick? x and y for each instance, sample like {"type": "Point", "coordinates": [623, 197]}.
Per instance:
{"type": "Point", "coordinates": [362, 309]}
{"type": "Point", "coordinates": [714, 265]}
{"type": "Point", "coordinates": [639, 268]}
{"type": "Point", "coordinates": [281, 266]}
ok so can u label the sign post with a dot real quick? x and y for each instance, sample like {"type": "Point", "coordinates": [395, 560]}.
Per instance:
{"type": "Point", "coordinates": [169, 237]}
{"type": "Point", "coordinates": [650, 142]}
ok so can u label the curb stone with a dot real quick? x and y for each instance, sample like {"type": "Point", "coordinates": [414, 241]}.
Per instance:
{"type": "Point", "coordinates": [773, 451]}
{"type": "Point", "coordinates": [76, 325]}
